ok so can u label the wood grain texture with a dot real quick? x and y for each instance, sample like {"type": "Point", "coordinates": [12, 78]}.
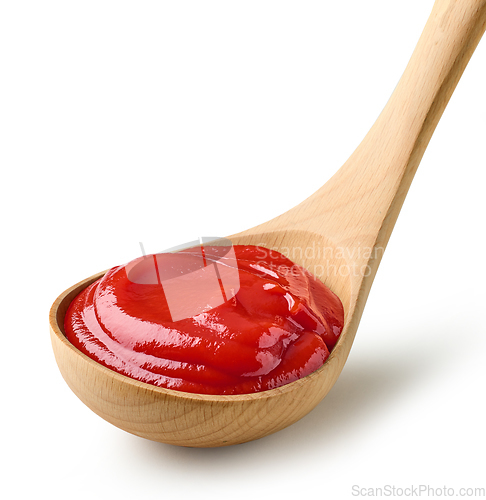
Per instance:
{"type": "Point", "coordinates": [339, 234]}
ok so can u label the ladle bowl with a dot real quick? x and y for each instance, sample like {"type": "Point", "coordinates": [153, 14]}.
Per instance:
{"type": "Point", "coordinates": [339, 234]}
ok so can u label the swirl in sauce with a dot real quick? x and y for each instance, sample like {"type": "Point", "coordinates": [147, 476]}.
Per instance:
{"type": "Point", "coordinates": [279, 326]}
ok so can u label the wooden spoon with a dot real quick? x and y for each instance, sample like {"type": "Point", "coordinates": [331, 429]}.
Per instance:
{"type": "Point", "coordinates": [339, 234]}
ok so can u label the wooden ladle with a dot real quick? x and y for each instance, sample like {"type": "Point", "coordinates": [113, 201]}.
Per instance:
{"type": "Point", "coordinates": [339, 234]}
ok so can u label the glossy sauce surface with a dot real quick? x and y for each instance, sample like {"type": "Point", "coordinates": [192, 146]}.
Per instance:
{"type": "Point", "coordinates": [279, 326]}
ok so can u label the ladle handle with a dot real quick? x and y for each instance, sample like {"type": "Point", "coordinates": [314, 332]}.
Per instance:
{"type": "Point", "coordinates": [366, 194]}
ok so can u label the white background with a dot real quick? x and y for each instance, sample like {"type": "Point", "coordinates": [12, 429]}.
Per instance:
{"type": "Point", "coordinates": [156, 122]}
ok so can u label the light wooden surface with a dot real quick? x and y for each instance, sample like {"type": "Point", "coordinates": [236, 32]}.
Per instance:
{"type": "Point", "coordinates": [339, 234]}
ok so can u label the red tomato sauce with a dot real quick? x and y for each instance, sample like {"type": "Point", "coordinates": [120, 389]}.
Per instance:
{"type": "Point", "coordinates": [278, 324]}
